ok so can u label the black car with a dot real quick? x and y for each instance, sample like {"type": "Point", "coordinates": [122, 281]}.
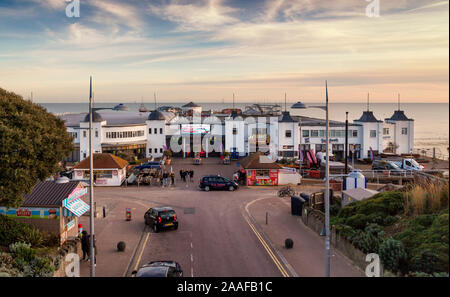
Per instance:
{"type": "Point", "coordinates": [159, 269]}
{"type": "Point", "coordinates": [381, 165]}
{"type": "Point", "coordinates": [161, 217]}
{"type": "Point", "coordinates": [215, 182]}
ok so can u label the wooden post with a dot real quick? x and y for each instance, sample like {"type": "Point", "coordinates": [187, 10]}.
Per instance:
{"type": "Point", "coordinates": [267, 218]}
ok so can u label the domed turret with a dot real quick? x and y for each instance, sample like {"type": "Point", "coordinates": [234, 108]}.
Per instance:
{"type": "Point", "coordinates": [156, 116]}
{"type": "Point", "coordinates": [96, 117]}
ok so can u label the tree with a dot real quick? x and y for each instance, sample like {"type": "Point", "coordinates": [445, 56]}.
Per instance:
{"type": "Point", "coordinates": [32, 142]}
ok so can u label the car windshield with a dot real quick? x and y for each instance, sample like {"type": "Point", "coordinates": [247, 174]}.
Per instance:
{"type": "Point", "coordinates": [414, 163]}
{"type": "Point", "coordinates": [393, 166]}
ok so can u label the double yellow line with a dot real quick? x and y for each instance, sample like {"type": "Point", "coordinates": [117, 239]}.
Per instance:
{"type": "Point", "coordinates": [142, 251]}
{"type": "Point", "coordinates": [267, 248]}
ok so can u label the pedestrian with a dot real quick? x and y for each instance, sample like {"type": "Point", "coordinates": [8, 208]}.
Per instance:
{"type": "Point", "coordinates": [161, 179]}
{"type": "Point", "coordinates": [165, 176]}
{"type": "Point", "coordinates": [85, 245]}
{"type": "Point", "coordinates": [182, 174]}
{"type": "Point", "coordinates": [191, 175]}
{"type": "Point", "coordinates": [172, 178]}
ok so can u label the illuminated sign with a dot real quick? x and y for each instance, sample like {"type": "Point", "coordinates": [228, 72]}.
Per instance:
{"type": "Point", "coordinates": [195, 129]}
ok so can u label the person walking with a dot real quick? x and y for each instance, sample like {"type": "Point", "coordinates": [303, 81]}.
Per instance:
{"type": "Point", "coordinates": [85, 245]}
{"type": "Point", "coordinates": [191, 175]}
{"type": "Point", "coordinates": [172, 178]}
{"type": "Point", "coordinates": [182, 174]}
{"type": "Point", "coordinates": [165, 176]}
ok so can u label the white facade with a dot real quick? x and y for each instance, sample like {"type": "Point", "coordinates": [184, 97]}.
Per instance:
{"type": "Point", "coordinates": [288, 134]}
{"type": "Point", "coordinates": [156, 140]}
{"type": "Point", "coordinates": [107, 178]}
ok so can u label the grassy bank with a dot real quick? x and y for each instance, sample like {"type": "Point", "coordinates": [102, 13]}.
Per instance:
{"type": "Point", "coordinates": [408, 229]}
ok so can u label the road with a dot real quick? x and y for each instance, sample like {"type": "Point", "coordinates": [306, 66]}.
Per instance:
{"type": "Point", "coordinates": [213, 238]}
{"type": "Point", "coordinates": [216, 236]}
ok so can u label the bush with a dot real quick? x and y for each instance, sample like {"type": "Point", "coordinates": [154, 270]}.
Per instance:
{"type": "Point", "coordinates": [22, 251]}
{"type": "Point", "coordinates": [369, 240]}
{"type": "Point", "coordinates": [12, 231]}
{"type": "Point", "coordinates": [393, 255]}
{"type": "Point", "coordinates": [42, 267]}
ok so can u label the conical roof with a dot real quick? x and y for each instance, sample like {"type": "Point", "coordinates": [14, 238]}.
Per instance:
{"type": "Point", "coordinates": [368, 116]}
{"type": "Point", "coordinates": [286, 118]}
{"type": "Point", "coordinates": [190, 105]}
{"type": "Point", "coordinates": [399, 115]}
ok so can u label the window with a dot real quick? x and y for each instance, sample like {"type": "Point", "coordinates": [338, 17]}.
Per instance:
{"type": "Point", "coordinates": [161, 150]}
{"type": "Point", "coordinates": [404, 131]}
{"type": "Point", "coordinates": [84, 155]}
{"type": "Point", "coordinates": [288, 133]}
{"type": "Point", "coordinates": [385, 131]}
{"type": "Point", "coordinates": [84, 134]}
{"type": "Point", "coordinates": [373, 133]}
{"type": "Point", "coordinates": [234, 131]}
{"type": "Point", "coordinates": [314, 133]}
{"type": "Point", "coordinates": [160, 131]}
{"type": "Point", "coordinates": [149, 150]}
{"type": "Point", "coordinates": [155, 130]}
{"type": "Point", "coordinates": [322, 133]}
{"type": "Point", "coordinates": [96, 133]}
{"type": "Point", "coordinates": [354, 133]}
{"type": "Point", "coordinates": [305, 133]}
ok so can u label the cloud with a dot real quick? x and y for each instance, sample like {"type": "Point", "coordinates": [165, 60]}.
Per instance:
{"type": "Point", "coordinates": [206, 15]}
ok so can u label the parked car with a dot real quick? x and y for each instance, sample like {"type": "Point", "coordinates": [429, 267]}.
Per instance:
{"type": "Point", "coordinates": [381, 165]}
{"type": "Point", "coordinates": [161, 217]}
{"type": "Point", "coordinates": [215, 182]}
{"type": "Point", "coordinates": [409, 164]}
{"type": "Point", "coordinates": [159, 269]}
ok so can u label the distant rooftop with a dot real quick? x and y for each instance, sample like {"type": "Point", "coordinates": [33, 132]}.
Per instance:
{"type": "Point", "coordinates": [399, 115]}
{"type": "Point", "coordinates": [368, 116]}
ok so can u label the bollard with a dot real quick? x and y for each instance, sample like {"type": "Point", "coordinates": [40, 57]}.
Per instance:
{"type": "Point", "coordinates": [104, 211]}
{"type": "Point", "coordinates": [267, 218]}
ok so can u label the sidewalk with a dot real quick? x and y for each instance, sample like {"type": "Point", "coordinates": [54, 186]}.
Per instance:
{"type": "Point", "coordinates": [109, 231]}
{"type": "Point", "coordinates": [307, 257]}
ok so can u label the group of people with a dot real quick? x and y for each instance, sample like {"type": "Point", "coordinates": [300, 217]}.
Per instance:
{"type": "Point", "coordinates": [165, 177]}
{"type": "Point", "coordinates": [186, 175]}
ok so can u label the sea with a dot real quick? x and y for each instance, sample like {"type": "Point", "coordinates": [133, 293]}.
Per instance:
{"type": "Point", "coordinates": [431, 119]}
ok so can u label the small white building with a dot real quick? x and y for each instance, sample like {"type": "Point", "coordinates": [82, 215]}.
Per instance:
{"type": "Point", "coordinates": [356, 194]}
{"type": "Point", "coordinates": [109, 170]}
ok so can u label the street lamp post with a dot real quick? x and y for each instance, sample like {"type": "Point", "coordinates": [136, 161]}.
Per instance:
{"type": "Point", "coordinates": [300, 105]}
{"type": "Point", "coordinates": [91, 187]}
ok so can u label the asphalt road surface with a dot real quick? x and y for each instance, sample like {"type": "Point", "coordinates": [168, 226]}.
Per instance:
{"type": "Point", "coordinates": [213, 238]}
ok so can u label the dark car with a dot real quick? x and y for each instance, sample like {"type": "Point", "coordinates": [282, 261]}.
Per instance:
{"type": "Point", "coordinates": [159, 269]}
{"type": "Point", "coordinates": [161, 217]}
{"type": "Point", "coordinates": [215, 182]}
{"type": "Point", "coordinates": [381, 165]}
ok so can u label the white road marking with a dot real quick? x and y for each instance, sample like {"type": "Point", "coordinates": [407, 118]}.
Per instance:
{"type": "Point", "coordinates": [192, 272]}
{"type": "Point", "coordinates": [192, 258]}
{"type": "Point", "coordinates": [192, 246]}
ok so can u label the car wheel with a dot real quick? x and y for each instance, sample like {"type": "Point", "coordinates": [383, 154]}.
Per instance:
{"type": "Point", "coordinates": [231, 188]}
{"type": "Point", "coordinates": [206, 189]}
{"type": "Point", "coordinates": [175, 228]}
{"type": "Point", "coordinates": [155, 228]}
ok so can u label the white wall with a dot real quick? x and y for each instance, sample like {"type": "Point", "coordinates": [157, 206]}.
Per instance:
{"type": "Point", "coordinates": [288, 141]}
{"type": "Point", "coordinates": [156, 141]}
{"type": "Point", "coordinates": [367, 141]}
{"type": "Point", "coordinates": [235, 140]}
{"type": "Point", "coordinates": [96, 141]}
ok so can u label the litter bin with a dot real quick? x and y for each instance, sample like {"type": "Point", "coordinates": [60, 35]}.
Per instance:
{"type": "Point", "coordinates": [297, 205]}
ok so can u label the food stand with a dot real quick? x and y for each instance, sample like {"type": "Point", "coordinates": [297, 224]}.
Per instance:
{"type": "Point", "coordinates": [52, 206]}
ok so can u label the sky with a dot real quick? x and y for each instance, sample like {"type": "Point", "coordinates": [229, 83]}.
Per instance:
{"type": "Point", "coordinates": [206, 50]}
